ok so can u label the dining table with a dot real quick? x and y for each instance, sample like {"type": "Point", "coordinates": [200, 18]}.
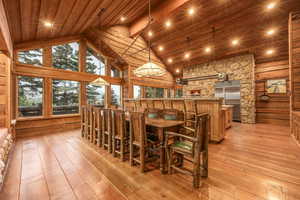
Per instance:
{"type": "Point", "coordinates": [162, 125]}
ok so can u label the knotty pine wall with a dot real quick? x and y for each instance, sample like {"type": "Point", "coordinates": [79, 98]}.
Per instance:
{"type": "Point", "coordinates": [277, 109]}
{"type": "Point", "coordinates": [4, 91]}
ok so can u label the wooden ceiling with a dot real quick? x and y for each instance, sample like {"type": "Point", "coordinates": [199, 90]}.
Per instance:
{"type": "Point", "coordinates": [246, 20]}
{"type": "Point", "coordinates": [70, 17]}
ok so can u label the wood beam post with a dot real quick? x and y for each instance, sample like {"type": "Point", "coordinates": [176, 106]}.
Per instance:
{"type": "Point", "coordinates": [161, 12]}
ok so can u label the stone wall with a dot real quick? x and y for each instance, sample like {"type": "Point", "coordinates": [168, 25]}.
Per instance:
{"type": "Point", "coordinates": [238, 68]}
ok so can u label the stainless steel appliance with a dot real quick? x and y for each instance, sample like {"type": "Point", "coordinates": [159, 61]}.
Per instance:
{"type": "Point", "coordinates": [230, 91]}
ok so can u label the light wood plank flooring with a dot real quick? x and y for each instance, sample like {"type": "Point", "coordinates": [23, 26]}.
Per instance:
{"type": "Point", "coordinates": [255, 162]}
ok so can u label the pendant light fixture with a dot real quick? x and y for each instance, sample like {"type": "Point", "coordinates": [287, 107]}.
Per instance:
{"type": "Point", "coordinates": [149, 69]}
{"type": "Point", "coordinates": [99, 82]}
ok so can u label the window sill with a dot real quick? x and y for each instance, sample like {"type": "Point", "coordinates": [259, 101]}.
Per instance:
{"type": "Point", "coordinates": [48, 117]}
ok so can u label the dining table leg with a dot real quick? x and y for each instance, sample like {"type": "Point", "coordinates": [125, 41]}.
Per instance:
{"type": "Point", "coordinates": [162, 150]}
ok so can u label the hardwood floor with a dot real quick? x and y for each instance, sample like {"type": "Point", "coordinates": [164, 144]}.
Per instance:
{"type": "Point", "coordinates": [254, 162]}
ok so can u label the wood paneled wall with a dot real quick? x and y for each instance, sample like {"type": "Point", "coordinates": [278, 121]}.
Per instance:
{"type": "Point", "coordinates": [4, 91]}
{"type": "Point", "coordinates": [276, 110]}
{"type": "Point", "coordinates": [294, 47]}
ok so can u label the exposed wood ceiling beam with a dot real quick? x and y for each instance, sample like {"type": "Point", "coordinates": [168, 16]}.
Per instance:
{"type": "Point", "coordinates": [159, 13]}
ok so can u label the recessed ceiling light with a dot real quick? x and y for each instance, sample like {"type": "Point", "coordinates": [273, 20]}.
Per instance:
{"type": "Point", "coordinates": [235, 42]}
{"type": "Point", "coordinates": [271, 5]}
{"type": "Point", "coordinates": [191, 11]}
{"type": "Point", "coordinates": [271, 32]}
{"type": "Point", "coordinates": [207, 50]}
{"type": "Point", "coordinates": [160, 48]}
{"type": "Point", "coordinates": [177, 70]}
{"type": "Point", "coordinates": [123, 19]}
{"type": "Point", "coordinates": [168, 23]}
{"type": "Point", "coordinates": [270, 51]}
{"type": "Point", "coordinates": [170, 60]}
{"type": "Point", "coordinates": [150, 34]}
{"type": "Point", "coordinates": [48, 24]}
{"type": "Point", "coordinates": [187, 55]}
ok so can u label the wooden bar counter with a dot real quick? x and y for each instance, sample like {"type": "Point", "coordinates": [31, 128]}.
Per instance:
{"type": "Point", "coordinates": [212, 106]}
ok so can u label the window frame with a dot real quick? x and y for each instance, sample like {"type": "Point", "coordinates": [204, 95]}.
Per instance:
{"type": "Point", "coordinates": [17, 99]}
{"type": "Point", "coordinates": [79, 99]}
{"type": "Point", "coordinates": [64, 43]}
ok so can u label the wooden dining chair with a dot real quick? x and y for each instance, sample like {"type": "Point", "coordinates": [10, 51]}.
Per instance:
{"type": "Point", "coordinates": [137, 139]}
{"type": "Point", "coordinates": [97, 127]}
{"type": "Point", "coordinates": [119, 137]}
{"type": "Point", "coordinates": [89, 122]}
{"type": "Point", "coordinates": [83, 120]}
{"type": "Point", "coordinates": [190, 149]}
{"type": "Point", "coordinates": [172, 114]}
{"type": "Point", "coordinates": [107, 130]}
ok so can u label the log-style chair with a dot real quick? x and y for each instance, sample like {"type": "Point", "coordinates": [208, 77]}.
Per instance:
{"type": "Point", "coordinates": [172, 114]}
{"type": "Point", "coordinates": [89, 123]}
{"type": "Point", "coordinates": [137, 139]}
{"type": "Point", "coordinates": [190, 149]}
{"type": "Point", "coordinates": [97, 126]}
{"type": "Point", "coordinates": [152, 113]}
{"type": "Point", "coordinates": [83, 118]}
{"type": "Point", "coordinates": [107, 129]}
{"type": "Point", "coordinates": [119, 137]}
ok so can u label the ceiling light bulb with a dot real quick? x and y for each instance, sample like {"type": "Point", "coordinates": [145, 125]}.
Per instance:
{"type": "Point", "coordinates": [168, 23]}
{"type": "Point", "coordinates": [271, 5]}
{"type": "Point", "coordinates": [177, 70]}
{"type": "Point", "coordinates": [187, 55]}
{"type": "Point", "coordinates": [235, 42]}
{"type": "Point", "coordinates": [48, 24]}
{"type": "Point", "coordinates": [150, 34]}
{"type": "Point", "coordinates": [191, 11]}
{"type": "Point", "coordinates": [270, 52]}
{"type": "Point", "coordinates": [207, 49]}
{"type": "Point", "coordinates": [170, 60]}
{"type": "Point", "coordinates": [122, 19]}
{"type": "Point", "coordinates": [160, 48]}
{"type": "Point", "coordinates": [270, 32]}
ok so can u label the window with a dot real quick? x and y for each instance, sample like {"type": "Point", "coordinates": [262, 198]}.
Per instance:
{"type": "Point", "coordinates": [30, 98]}
{"type": "Point", "coordinates": [136, 91]}
{"type": "Point", "coordinates": [178, 93]}
{"type": "Point", "coordinates": [95, 95]}
{"type": "Point", "coordinates": [95, 64]}
{"type": "Point", "coordinates": [65, 97]}
{"type": "Point", "coordinates": [154, 92]}
{"type": "Point", "coordinates": [115, 72]}
{"type": "Point", "coordinates": [32, 57]}
{"type": "Point", "coordinates": [116, 95]}
{"type": "Point", "coordinates": [65, 56]}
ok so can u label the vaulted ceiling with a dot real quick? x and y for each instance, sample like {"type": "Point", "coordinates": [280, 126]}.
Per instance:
{"type": "Point", "coordinates": [70, 17]}
{"type": "Point", "coordinates": [214, 24]}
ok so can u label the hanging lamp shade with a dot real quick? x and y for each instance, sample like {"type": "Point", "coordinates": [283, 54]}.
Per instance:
{"type": "Point", "coordinates": [149, 69]}
{"type": "Point", "coordinates": [100, 82]}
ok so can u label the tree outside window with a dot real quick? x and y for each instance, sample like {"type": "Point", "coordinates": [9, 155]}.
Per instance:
{"type": "Point", "coordinates": [95, 95]}
{"type": "Point", "coordinates": [95, 64]}
{"type": "Point", "coordinates": [65, 56]}
{"type": "Point", "coordinates": [31, 57]}
{"type": "Point", "coordinates": [116, 95]}
{"type": "Point", "coordinates": [65, 97]}
{"type": "Point", "coordinates": [30, 96]}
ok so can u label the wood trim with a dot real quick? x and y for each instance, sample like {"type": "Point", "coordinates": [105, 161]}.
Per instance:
{"type": "Point", "coordinates": [46, 43]}
{"type": "Point", "coordinates": [6, 44]}
{"type": "Point", "coordinates": [36, 71]}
